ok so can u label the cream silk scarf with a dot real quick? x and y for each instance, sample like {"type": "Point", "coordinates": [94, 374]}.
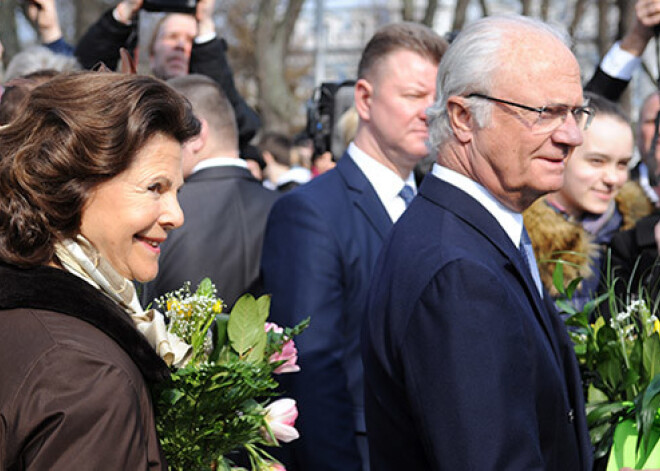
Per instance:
{"type": "Point", "coordinates": [81, 258]}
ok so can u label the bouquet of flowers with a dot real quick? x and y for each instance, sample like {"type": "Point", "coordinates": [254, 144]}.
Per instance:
{"type": "Point", "coordinates": [220, 401]}
{"type": "Point", "coordinates": [617, 343]}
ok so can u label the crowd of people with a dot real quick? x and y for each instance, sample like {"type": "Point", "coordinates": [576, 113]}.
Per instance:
{"type": "Point", "coordinates": [434, 341]}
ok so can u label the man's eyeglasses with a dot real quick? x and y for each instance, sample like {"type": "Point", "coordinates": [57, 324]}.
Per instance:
{"type": "Point", "coordinates": [550, 116]}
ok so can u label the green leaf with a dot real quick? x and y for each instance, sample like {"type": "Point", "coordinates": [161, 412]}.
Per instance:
{"type": "Point", "coordinates": [257, 352]}
{"type": "Point", "coordinates": [646, 416]}
{"type": "Point", "coordinates": [219, 335]}
{"type": "Point", "coordinates": [205, 288]}
{"type": "Point", "coordinates": [558, 279]}
{"type": "Point", "coordinates": [245, 327]}
{"type": "Point", "coordinates": [572, 286]}
{"type": "Point", "coordinates": [651, 356]}
{"type": "Point", "coordinates": [263, 307]}
{"type": "Point", "coordinates": [171, 396]}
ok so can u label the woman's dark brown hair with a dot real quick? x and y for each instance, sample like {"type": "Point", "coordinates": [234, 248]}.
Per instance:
{"type": "Point", "coordinates": [75, 132]}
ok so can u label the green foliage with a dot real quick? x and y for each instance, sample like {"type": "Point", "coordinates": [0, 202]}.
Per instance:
{"type": "Point", "coordinates": [215, 404]}
{"type": "Point", "coordinates": [617, 344]}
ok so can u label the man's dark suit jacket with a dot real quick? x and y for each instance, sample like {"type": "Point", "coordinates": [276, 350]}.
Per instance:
{"type": "Point", "coordinates": [605, 85]}
{"type": "Point", "coordinates": [466, 367]}
{"type": "Point", "coordinates": [225, 211]}
{"type": "Point", "coordinates": [321, 245]}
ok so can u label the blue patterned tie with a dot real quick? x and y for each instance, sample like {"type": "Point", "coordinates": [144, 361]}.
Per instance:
{"type": "Point", "coordinates": [407, 194]}
{"type": "Point", "coordinates": [527, 252]}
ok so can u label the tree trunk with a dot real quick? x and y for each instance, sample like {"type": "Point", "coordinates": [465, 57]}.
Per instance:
{"type": "Point", "coordinates": [545, 9]}
{"type": "Point", "coordinates": [408, 10]}
{"type": "Point", "coordinates": [276, 101]}
{"type": "Point", "coordinates": [578, 13]}
{"type": "Point", "coordinates": [87, 13]}
{"type": "Point", "coordinates": [485, 11]}
{"type": "Point", "coordinates": [8, 33]}
{"type": "Point", "coordinates": [603, 40]}
{"type": "Point", "coordinates": [526, 7]}
{"type": "Point", "coordinates": [459, 15]}
{"type": "Point", "coordinates": [429, 13]}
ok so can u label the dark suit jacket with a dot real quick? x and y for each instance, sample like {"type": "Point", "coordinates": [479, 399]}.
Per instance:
{"type": "Point", "coordinates": [466, 367]}
{"type": "Point", "coordinates": [321, 245]}
{"type": "Point", "coordinates": [225, 211]}
{"type": "Point", "coordinates": [606, 85]}
{"type": "Point", "coordinates": [635, 258]}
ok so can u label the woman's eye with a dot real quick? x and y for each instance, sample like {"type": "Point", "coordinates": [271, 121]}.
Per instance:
{"type": "Point", "coordinates": [156, 187]}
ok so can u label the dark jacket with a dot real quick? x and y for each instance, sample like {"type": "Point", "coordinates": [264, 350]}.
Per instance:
{"type": "Point", "coordinates": [635, 258]}
{"type": "Point", "coordinates": [226, 210]}
{"type": "Point", "coordinates": [466, 367]}
{"type": "Point", "coordinates": [74, 371]}
{"type": "Point", "coordinates": [102, 41]}
{"type": "Point", "coordinates": [321, 244]}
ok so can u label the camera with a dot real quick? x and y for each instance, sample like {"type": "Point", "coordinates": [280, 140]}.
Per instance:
{"type": "Point", "coordinates": [170, 6]}
{"type": "Point", "coordinates": [329, 101]}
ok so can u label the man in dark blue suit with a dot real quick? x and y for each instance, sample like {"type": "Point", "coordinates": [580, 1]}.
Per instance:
{"type": "Point", "coordinates": [322, 240]}
{"type": "Point", "coordinates": [467, 364]}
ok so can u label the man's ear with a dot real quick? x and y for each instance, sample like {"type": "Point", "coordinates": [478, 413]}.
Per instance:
{"type": "Point", "coordinates": [200, 141]}
{"type": "Point", "coordinates": [363, 93]}
{"type": "Point", "coordinates": [460, 119]}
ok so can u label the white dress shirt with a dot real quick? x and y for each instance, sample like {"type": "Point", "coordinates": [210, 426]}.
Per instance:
{"type": "Point", "coordinates": [220, 162]}
{"type": "Point", "coordinates": [384, 180]}
{"type": "Point", "coordinates": [511, 222]}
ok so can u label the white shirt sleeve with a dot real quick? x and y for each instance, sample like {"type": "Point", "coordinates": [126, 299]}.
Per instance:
{"type": "Point", "coordinates": [619, 64]}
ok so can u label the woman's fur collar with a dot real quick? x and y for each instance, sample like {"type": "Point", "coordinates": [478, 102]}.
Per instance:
{"type": "Point", "coordinates": [552, 232]}
{"type": "Point", "coordinates": [53, 289]}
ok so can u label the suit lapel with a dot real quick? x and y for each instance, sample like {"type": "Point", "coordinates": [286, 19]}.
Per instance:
{"type": "Point", "coordinates": [473, 213]}
{"type": "Point", "coordinates": [364, 196]}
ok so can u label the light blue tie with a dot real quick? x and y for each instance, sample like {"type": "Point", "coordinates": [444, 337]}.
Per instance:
{"type": "Point", "coordinates": [527, 252]}
{"type": "Point", "coordinates": [407, 194]}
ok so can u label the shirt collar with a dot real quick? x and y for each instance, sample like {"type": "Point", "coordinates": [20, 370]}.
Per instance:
{"type": "Point", "coordinates": [384, 180]}
{"type": "Point", "coordinates": [510, 221]}
{"type": "Point", "coordinates": [220, 162]}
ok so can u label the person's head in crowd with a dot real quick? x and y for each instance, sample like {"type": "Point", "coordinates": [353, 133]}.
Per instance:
{"type": "Point", "coordinates": [599, 167]}
{"type": "Point", "coordinates": [396, 83]}
{"type": "Point", "coordinates": [254, 160]}
{"type": "Point", "coordinates": [36, 58]}
{"type": "Point", "coordinates": [171, 45]}
{"type": "Point", "coordinates": [510, 109]}
{"type": "Point", "coordinates": [276, 149]}
{"type": "Point", "coordinates": [17, 90]}
{"type": "Point", "coordinates": [282, 171]}
{"type": "Point", "coordinates": [94, 156]}
{"type": "Point", "coordinates": [219, 133]}
{"type": "Point", "coordinates": [303, 149]}
{"type": "Point", "coordinates": [347, 126]}
{"type": "Point", "coordinates": [645, 132]}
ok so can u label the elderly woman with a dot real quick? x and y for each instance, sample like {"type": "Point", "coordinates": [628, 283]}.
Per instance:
{"type": "Point", "coordinates": [88, 180]}
{"type": "Point", "coordinates": [576, 223]}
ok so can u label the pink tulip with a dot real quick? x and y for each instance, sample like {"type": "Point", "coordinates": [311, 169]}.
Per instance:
{"type": "Point", "coordinates": [281, 417]}
{"type": "Point", "coordinates": [276, 467]}
{"type": "Point", "coordinates": [289, 353]}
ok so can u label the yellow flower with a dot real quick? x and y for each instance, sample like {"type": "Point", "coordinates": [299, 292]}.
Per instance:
{"type": "Point", "coordinates": [656, 326]}
{"type": "Point", "coordinates": [217, 307]}
{"type": "Point", "coordinates": [173, 304]}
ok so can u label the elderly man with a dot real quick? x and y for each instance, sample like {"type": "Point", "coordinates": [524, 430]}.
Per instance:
{"type": "Point", "coordinates": [322, 240]}
{"type": "Point", "coordinates": [467, 365]}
